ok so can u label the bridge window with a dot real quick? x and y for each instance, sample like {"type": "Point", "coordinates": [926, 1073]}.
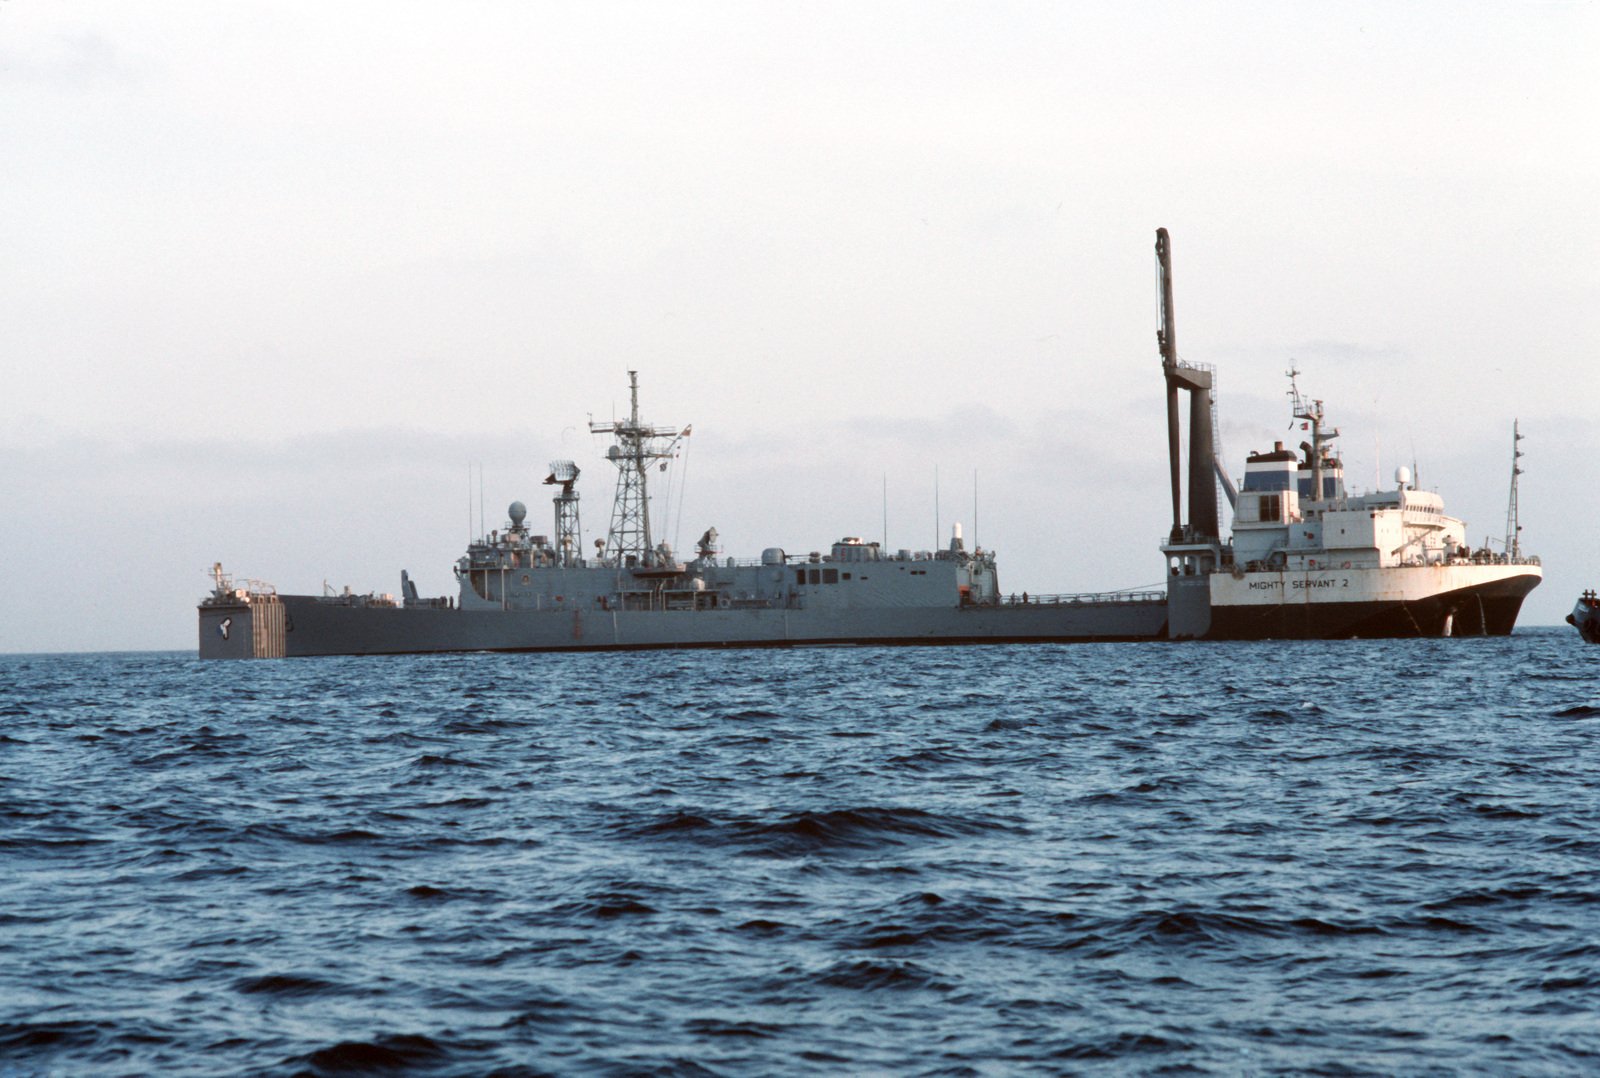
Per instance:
{"type": "Point", "coordinates": [830, 576]}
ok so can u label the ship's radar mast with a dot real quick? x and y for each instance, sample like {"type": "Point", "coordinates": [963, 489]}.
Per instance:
{"type": "Point", "coordinates": [569, 534]}
{"type": "Point", "coordinates": [637, 446]}
{"type": "Point", "coordinates": [1310, 411]}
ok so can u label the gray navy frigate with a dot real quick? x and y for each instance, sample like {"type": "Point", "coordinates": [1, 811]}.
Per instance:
{"type": "Point", "coordinates": [526, 591]}
{"type": "Point", "coordinates": [1306, 559]}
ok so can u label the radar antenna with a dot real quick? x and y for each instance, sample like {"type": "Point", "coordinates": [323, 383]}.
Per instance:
{"type": "Point", "coordinates": [569, 534]}
{"type": "Point", "coordinates": [636, 447]}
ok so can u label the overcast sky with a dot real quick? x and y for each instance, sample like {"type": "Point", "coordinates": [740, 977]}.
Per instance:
{"type": "Point", "coordinates": [273, 275]}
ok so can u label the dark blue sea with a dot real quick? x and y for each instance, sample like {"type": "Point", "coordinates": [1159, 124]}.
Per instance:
{"type": "Point", "coordinates": [1281, 858]}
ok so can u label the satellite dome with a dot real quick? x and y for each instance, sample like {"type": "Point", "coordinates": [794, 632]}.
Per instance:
{"type": "Point", "coordinates": [1402, 476]}
{"type": "Point", "coordinates": [518, 513]}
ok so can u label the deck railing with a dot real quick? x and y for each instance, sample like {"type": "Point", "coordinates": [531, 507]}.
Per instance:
{"type": "Point", "coordinates": [1080, 598]}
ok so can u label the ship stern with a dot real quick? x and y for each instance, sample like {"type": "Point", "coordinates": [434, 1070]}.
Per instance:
{"type": "Point", "coordinates": [247, 629]}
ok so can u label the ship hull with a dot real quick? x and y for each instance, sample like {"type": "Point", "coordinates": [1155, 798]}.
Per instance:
{"type": "Point", "coordinates": [1414, 601]}
{"type": "Point", "coordinates": [1585, 617]}
{"type": "Point", "coordinates": [1411, 601]}
{"type": "Point", "coordinates": [1406, 601]}
{"type": "Point", "coordinates": [314, 626]}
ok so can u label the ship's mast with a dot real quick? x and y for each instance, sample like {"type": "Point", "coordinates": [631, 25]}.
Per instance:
{"type": "Point", "coordinates": [569, 534]}
{"type": "Point", "coordinates": [1311, 412]}
{"type": "Point", "coordinates": [636, 448]}
{"type": "Point", "coordinates": [1513, 526]}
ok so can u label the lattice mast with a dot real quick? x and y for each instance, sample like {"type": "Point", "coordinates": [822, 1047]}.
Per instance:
{"type": "Point", "coordinates": [1513, 525]}
{"type": "Point", "coordinates": [569, 533]}
{"type": "Point", "coordinates": [636, 447]}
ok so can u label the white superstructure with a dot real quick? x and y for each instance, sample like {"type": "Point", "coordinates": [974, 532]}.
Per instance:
{"type": "Point", "coordinates": [1308, 559]}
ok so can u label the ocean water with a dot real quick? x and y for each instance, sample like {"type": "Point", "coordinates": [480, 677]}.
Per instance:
{"type": "Point", "coordinates": [1304, 858]}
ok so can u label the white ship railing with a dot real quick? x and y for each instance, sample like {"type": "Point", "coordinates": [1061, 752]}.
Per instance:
{"type": "Point", "coordinates": [1486, 558]}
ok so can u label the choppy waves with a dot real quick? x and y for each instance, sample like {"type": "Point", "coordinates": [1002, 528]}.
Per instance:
{"type": "Point", "coordinates": [1350, 858]}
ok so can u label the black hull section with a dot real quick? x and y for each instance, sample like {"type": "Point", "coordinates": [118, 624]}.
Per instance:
{"type": "Point", "coordinates": [1485, 610]}
{"type": "Point", "coordinates": [1586, 619]}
